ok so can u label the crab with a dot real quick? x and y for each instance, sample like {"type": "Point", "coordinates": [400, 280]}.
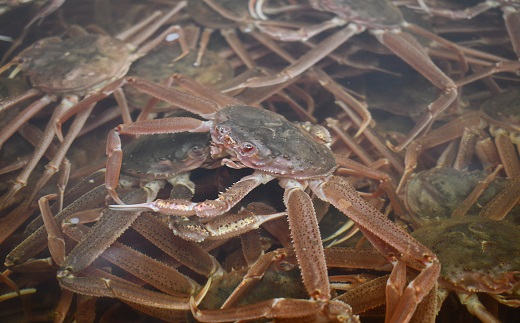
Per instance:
{"type": "Point", "coordinates": [248, 137]}
{"type": "Point", "coordinates": [145, 163]}
{"type": "Point", "coordinates": [73, 68]}
{"type": "Point", "coordinates": [478, 254]}
{"type": "Point", "coordinates": [509, 9]}
{"type": "Point", "coordinates": [499, 116]}
{"type": "Point", "coordinates": [491, 260]}
{"type": "Point", "coordinates": [422, 192]}
{"type": "Point", "coordinates": [387, 29]}
{"type": "Point", "coordinates": [167, 59]}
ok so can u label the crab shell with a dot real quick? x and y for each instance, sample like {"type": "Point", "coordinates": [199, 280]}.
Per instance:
{"type": "Point", "coordinates": [163, 156]}
{"type": "Point", "coordinates": [264, 140]}
{"type": "Point", "coordinates": [476, 254]}
{"type": "Point", "coordinates": [75, 65]}
{"type": "Point", "coordinates": [373, 13]}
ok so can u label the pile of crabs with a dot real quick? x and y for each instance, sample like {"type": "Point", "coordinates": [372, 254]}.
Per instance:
{"type": "Point", "coordinates": [220, 161]}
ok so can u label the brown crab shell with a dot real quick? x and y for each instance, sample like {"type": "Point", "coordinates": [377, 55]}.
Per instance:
{"type": "Point", "coordinates": [76, 65]}
{"type": "Point", "coordinates": [282, 148]}
{"type": "Point", "coordinates": [476, 254]}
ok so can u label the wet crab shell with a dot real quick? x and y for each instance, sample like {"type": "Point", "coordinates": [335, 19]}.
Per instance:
{"type": "Point", "coordinates": [206, 16]}
{"type": "Point", "coordinates": [433, 194]}
{"type": "Point", "coordinates": [476, 254]}
{"type": "Point", "coordinates": [504, 110]}
{"type": "Point", "coordinates": [75, 65]}
{"type": "Point", "coordinates": [163, 156]}
{"type": "Point", "coordinates": [162, 62]}
{"type": "Point", "coordinates": [373, 13]}
{"type": "Point", "coordinates": [264, 140]}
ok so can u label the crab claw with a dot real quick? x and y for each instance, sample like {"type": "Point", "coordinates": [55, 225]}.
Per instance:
{"type": "Point", "coordinates": [168, 207]}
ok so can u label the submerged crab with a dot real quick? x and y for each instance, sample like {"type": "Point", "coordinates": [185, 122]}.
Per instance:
{"type": "Point", "coordinates": [478, 255]}
{"type": "Point", "coordinates": [247, 137]}
{"type": "Point", "coordinates": [510, 13]}
{"type": "Point", "coordinates": [384, 20]}
{"type": "Point", "coordinates": [73, 68]}
{"type": "Point", "coordinates": [147, 163]}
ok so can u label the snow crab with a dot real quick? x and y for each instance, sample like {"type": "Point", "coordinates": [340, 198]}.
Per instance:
{"type": "Point", "coordinates": [498, 116]}
{"type": "Point", "coordinates": [248, 137]}
{"type": "Point", "coordinates": [388, 28]}
{"type": "Point", "coordinates": [477, 254]}
{"type": "Point", "coordinates": [509, 9]}
{"type": "Point", "coordinates": [491, 260]}
{"type": "Point", "coordinates": [73, 68]}
{"type": "Point", "coordinates": [149, 162]}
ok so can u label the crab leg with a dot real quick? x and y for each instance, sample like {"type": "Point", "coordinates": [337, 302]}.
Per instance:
{"type": "Point", "coordinates": [109, 227]}
{"type": "Point", "coordinates": [9, 103]}
{"type": "Point", "coordinates": [45, 141]}
{"type": "Point", "coordinates": [274, 308]}
{"type": "Point", "coordinates": [222, 227]}
{"type": "Point", "coordinates": [512, 19]}
{"type": "Point", "coordinates": [27, 114]}
{"type": "Point", "coordinates": [53, 166]}
{"type": "Point", "coordinates": [385, 236]}
{"type": "Point", "coordinates": [409, 50]}
{"type": "Point", "coordinates": [306, 239]}
{"type": "Point", "coordinates": [208, 208]}
{"type": "Point", "coordinates": [113, 287]}
{"type": "Point", "coordinates": [475, 307]}
{"type": "Point", "coordinates": [140, 265]}
{"type": "Point", "coordinates": [185, 252]}
{"type": "Point", "coordinates": [220, 99]}
{"type": "Point", "coordinates": [306, 61]}
{"type": "Point", "coordinates": [36, 242]}
{"type": "Point", "coordinates": [88, 184]}
{"type": "Point", "coordinates": [194, 104]}
{"type": "Point", "coordinates": [120, 255]}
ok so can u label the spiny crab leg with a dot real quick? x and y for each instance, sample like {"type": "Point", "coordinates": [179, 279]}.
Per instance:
{"type": "Point", "coordinates": [274, 308]}
{"type": "Point", "coordinates": [177, 286]}
{"type": "Point", "coordinates": [386, 236]}
{"type": "Point", "coordinates": [221, 227]}
{"type": "Point", "coordinates": [99, 286]}
{"type": "Point", "coordinates": [96, 241]}
{"type": "Point", "coordinates": [306, 239]}
{"type": "Point", "coordinates": [37, 241]}
{"type": "Point", "coordinates": [119, 254]}
{"type": "Point", "coordinates": [131, 261]}
{"type": "Point", "coordinates": [208, 208]}
{"type": "Point", "coordinates": [185, 252]}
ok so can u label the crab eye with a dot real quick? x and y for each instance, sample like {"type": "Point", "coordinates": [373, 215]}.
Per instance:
{"type": "Point", "coordinates": [248, 148]}
{"type": "Point", "coordinates": [222, 130]}
{"type": "Point", "coordinates": [197, 150]}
